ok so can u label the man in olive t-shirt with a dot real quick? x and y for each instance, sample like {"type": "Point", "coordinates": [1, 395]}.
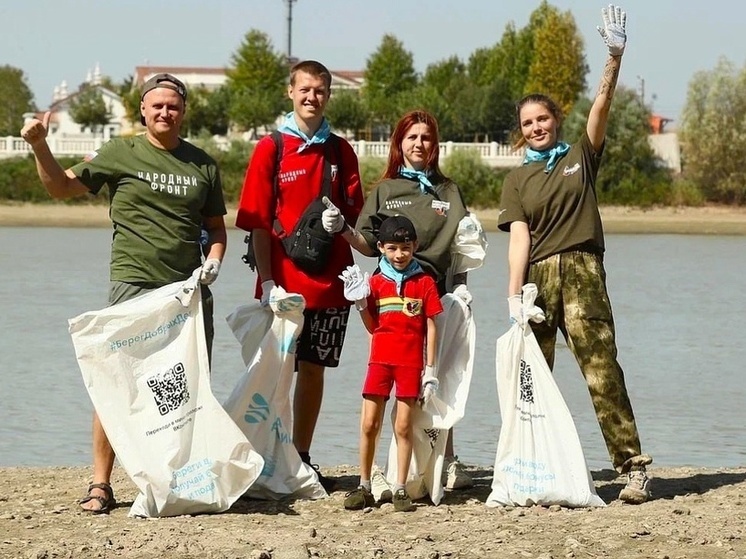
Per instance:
{"type": "Point", "coordinates": [163, 192]}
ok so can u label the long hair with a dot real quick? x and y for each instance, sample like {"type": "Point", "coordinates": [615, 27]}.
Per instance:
{"type": "Point", "coordinates": [396, 157]}
{"type": "Point", "coordinates": [541, 99]}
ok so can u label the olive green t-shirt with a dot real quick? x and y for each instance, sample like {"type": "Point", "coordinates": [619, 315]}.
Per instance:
{"type": "Point", "coordinates": [158, 202]}
{"type": "Point", "coordinates": [435, 216]}
{"type": "Point", "coordinates": [560, 207]}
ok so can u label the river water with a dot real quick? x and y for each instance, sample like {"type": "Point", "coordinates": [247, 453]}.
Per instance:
{"type": "Point", "coordinates": [677, 302]}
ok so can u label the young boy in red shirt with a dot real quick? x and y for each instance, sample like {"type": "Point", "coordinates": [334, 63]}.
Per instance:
{"type": "Point", "coordinates": [398, 307]}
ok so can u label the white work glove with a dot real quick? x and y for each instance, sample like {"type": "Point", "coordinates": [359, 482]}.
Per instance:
{"type": "Point", "coordinates": [331, 218]}
{"type": "Point", "coordinates": [515, 306]}
{"type": "Point", "coordinates": [522, 308]}
{"type": "Point", "coordinates": [429, 385]}
{"type": "Point", "coordinates": [462, 293]}
{"type": "Point", "coordinates": [209, 272]}
{"type": "Point", "coordinates": [357, 286]}
{"type": "Point", "coordinates": [614, 31]}
{"type": "Point", "coordinates": [270, 291]}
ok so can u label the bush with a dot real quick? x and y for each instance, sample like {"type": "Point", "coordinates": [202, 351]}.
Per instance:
{"type": "Point", "coordinates": [480, 184]}
{"type": "Point", "coordinates": [232, 163]}
{"type": "Point", "coordinates": [19, 181]}
{"type": "Point", "coordinates": [685, 192]}
{"type": "Point", "coordinates": [371, 169]}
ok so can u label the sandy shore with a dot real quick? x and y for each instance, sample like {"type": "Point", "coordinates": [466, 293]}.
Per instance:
{"type": "Point", "coordinates": [695, 513]}
{"type": "Point", "coordinates": [683, 220]}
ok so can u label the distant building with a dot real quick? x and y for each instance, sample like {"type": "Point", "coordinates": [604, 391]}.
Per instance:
{"type": "Point", "coordinates": [212, 78]}
{"type": "Point", "coordinates": [665, 144]}
{"type": "Point", "coordinates": [192, 76]}
{"type": "Point", "coordinates": [62, 124]}
{"type": "Point", "coordinates": [658, 123]}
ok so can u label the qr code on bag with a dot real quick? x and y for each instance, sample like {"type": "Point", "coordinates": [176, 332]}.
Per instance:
{"type": "Point", "coordinates": [170, 389]}
{"type": "Point", "coordinates": [527, 383]}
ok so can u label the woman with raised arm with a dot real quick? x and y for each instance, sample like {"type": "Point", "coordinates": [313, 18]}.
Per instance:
{"type": "Point", "coordinates": [549, 206]}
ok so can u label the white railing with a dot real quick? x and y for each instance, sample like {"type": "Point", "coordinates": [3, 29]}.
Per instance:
{"type": "Point", "coordinates": [665, 146]}
{"type": "Point", "coordinates": [492, 154]}
{"type": "Point", "coordinates": [17, 147]}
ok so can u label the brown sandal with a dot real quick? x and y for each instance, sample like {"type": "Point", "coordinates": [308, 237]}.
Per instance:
{"type": "Point", "coordinates": [106, 502]}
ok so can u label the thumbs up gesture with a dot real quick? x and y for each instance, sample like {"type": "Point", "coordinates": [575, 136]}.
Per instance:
{"type": "Point", "coordinates": [35, 130]}
{"type": "Point", "coordinates": [331, 218]}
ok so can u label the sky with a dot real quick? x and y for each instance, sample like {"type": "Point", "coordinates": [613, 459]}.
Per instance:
{"type": "Point", "coordinates": [52, 40]}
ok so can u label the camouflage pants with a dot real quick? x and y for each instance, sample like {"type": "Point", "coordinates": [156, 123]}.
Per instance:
{"type": "Point", "coordinates": [572, 292]}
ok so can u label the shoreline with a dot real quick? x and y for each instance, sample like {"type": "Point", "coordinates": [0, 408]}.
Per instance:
{"type": "Point", "coordinates": [693, 513]}
{"type": "Point", "coordinates": [705, 220]}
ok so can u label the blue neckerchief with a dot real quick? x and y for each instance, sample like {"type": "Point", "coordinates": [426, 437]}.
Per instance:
{"type": "Point", "coordinates": [289, 126]}
{"type": "Point", "coordinates": [412, 269]}
{"type": "Point", "coordinates": [420, 176]}
{"type": "Point", "coordinates": [552, 155]}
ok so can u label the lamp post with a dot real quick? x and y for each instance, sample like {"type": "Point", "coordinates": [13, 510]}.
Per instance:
{"type": "Point", "coordinates": [642, 89]}
{"type": "Point", "coordinates": [290, 28]}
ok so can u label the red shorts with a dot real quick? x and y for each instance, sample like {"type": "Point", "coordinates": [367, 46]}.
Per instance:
{"type": "Point", "coordinates": [381, 378]}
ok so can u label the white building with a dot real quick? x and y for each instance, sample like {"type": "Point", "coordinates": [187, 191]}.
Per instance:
{"type": "Point", "coordinates": [63, 127]}
{"type": "Point", "coordinates": [212, 78]}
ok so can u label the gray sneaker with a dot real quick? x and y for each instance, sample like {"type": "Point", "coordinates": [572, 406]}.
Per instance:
{"type": "Point", "coordinates": [402, 502]}
{"type": "Point", "coordinates": [636, 491]}
{"type": "Point", "coordinates": [380, 487]}
{"type": "Point", "coordinates": [454, 476]}
{"type": "Point", "coordinates": [359, 498]}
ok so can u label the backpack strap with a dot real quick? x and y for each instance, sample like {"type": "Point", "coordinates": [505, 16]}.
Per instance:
{"type": "Point", "coordinates": [332, 144]}
{"type": "Point", "coordinates": [249, 258]}
{"type": "Point", "coordinates": [277, 140]}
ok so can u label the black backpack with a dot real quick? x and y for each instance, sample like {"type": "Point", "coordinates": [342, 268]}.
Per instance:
{"type": "Point", "coordinates": [308, 245]}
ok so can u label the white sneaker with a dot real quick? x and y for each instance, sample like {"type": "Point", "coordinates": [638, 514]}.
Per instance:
{"type": "Point", "coordinates": [380, 487]}
{"type": "Point", "coordinates": [454, 476]}
{"type": "Point", "coordinates": [636, 491]}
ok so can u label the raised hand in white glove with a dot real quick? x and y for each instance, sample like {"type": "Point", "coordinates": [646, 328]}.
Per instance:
{"type": "Point", "coordinates": [357, 286]}
{"type": "Point", "coordinates": [429, 385]}
{"type": "Point", "coordinates": [614, 31]}
{"type": "Point", "coordinates": [462, 293]}
{"type": "Point", "coordinates": [209, 272]}
{"type": "Point", "coordinates": [515, 306]}
{"type": "Point", "coordinates": [332, 219]}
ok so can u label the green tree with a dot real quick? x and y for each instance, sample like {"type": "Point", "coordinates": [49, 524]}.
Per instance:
{"type": "Point", "coordinates": [257, 82]}
{"type": "Point", "coordinates": [89, 109]}
{"type": "Point", "coordinates": [207, 111]}
{"type": "Point", "coordinates": [16, 99]}
{"type": "Point", "coordinates": [439, 92]}
{"type": "Point", "coordinates": [130, 95]}
{"type": "Point", "coordinates": [467, 110]}
{"type": "Point", "coordinates": [389, 75]}
{"type": "Point", "coordinates": [630, 172]}
{"type": "Point", "coordinates": [507, 62]}
{"type": "Point", "coordinates": [346, 110]}
{"type": "Point", "coordinates": [559, 69]}
{"type": "Point", "coordinates": [713, 133]}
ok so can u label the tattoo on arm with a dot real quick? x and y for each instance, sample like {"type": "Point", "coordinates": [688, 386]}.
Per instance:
{"type": "Point", "coordinates": [609, 78]}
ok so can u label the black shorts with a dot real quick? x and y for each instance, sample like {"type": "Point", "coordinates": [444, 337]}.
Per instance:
{"type": "Point", "coordinates": [323, 335]}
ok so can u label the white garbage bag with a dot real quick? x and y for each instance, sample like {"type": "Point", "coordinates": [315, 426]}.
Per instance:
{"type": "Point", "coordinates": [260, 402]}
{"type": "Point", "coordinates": [539, 459]}
{"type": "Point", "coordinates": [145, 366]}
{"type": "Point", "coordinates": [426, 466]}
{"type": "Point", "coordinates": [455, 363]}
{"type": "Point", "coordinates": [469, 246]}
